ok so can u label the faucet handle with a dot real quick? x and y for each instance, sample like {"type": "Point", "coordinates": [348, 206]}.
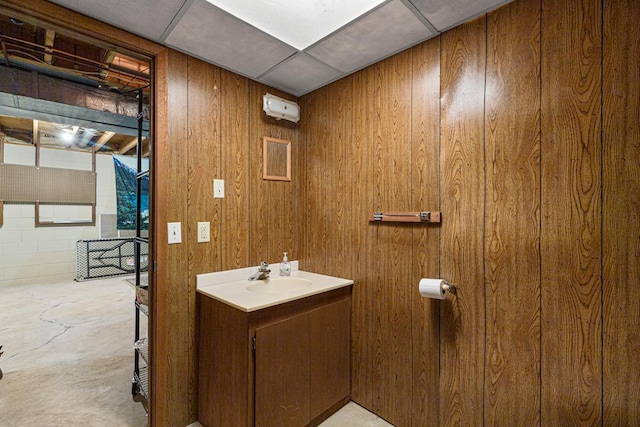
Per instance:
{"type": "Point", "coordinates": [264, 266]}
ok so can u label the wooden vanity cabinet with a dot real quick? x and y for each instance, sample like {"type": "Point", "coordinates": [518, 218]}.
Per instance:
{"type": "Point", "coordinates": [298, 374]}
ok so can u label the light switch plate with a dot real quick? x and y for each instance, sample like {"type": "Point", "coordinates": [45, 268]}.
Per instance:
{"type": "Point", "coordinates": [218, 188]}
{"type": "Point", "coordinates": [175, 232]}
{"type": "Point", "coordinates": [204, 234]}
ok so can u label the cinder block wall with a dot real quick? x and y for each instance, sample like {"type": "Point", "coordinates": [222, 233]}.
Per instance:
{"type": "Point", "coordinates": [28, 253]}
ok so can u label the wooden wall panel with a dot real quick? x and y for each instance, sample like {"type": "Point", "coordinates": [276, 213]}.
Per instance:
{"type": "Point", "coordinates": [463, 185]}
{"type": "Point", "coordinates": [358, 250]}
{"type": "Point", "coordinates": [512, 215]}
{"type": "Point", "coordinates": [392, 255]}
{"type": "Point", "coordinates": [621, 213]}
{"type": "Point", "coordinates": [571, 216]}
{"type": "Point", "coordinates": [293, 240]}
{"type": "Point", "coordinates": [204, 151]}
{"type": "Point", "coordinates": [258, 188]}
{"type": "Point", "coordinates": [284, 212]}
{"type": "Point", "coordinates": [235, 171]}
{"type": "Point", "coordinates": [314, 126]}
{"type": "Point", "coordinates": [203, 165]}
{"type": "Point", "coordinates": [174, 360]}
{"type": "Point", "coordinates": [337, 205]}
{"type": "Point", "coordinates": [425, 183]}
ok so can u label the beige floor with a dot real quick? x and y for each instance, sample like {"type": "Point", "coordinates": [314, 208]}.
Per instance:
{"type": "Point", "coordinates": [353, 415]}
{"type": "Point", "coordinates": [68, 357]}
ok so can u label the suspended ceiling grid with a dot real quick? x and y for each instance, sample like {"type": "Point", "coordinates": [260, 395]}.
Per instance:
{"type": "Point", "coordinates": [281, 44]}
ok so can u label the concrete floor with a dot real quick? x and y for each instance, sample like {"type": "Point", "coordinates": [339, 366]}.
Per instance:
{"type": "Point", "coordinates": [68, 357]}
{"type": "Point", "coordinates": [68, 354]}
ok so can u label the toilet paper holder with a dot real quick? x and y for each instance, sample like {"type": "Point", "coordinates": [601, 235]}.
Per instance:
{"type": "Point", "coordinates": [449, 287]}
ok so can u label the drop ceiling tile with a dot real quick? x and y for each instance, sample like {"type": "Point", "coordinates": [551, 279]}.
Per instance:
{"type": "Point", "coordinates": [297, 23]}
{"type": "Point", "coordinates": [387, 30]}
{"type": "Point", "coordinates": [300, 74]}
{"type": "Point", "coordinates": [147, 18]}
{"type": "Point", "coordinates": [214, 35]}
{"type": "Point", "coordinates": [446, 14]}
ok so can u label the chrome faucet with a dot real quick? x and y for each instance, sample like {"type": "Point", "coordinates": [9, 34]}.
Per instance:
{"type": "Point", "coordinates": [262, 273]}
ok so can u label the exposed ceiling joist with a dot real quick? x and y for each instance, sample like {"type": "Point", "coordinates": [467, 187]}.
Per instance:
{"type": "Point", "coordinates": [103, 140]}
{"type": "Point", "coordinates": [80, 74]}
{"type": "Point", "coordinates": [129, 146]}
{"type": "Point", "coordinates": [31, 47]}
{"type": "Point", "coordinates": [49, 40]}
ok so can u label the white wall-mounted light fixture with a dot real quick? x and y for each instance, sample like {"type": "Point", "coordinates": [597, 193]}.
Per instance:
{"type": "Point", "coordinates": [280, 108]}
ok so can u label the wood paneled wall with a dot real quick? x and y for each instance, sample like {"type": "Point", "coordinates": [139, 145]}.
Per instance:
{"type": "Point", "coordinates": [522, 127]}
{"type": "Point", "coordinates": [621, 213]}
{"type": "Point", "coordinates": [512, 217]}
{"type": "Point", "coordinates": [462, 176]}
{"type": "Point", "coordinates": [215, 129]}
{"type": "Point", "coordinates": [571, 188]}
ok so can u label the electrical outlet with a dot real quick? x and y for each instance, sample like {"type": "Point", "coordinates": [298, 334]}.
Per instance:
{"type": "Point", "coordinates": [204, 234]}
{"type": "Point", "coordinates": [175, 232]}
{"type": "Point", "coordinates": [218, 188]}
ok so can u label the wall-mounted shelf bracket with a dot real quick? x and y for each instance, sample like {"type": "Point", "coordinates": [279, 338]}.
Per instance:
{"type": "Point", "coordinates": [422, 217]}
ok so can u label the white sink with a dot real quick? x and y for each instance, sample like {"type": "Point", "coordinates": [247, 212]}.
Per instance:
{"type": "Point", "coordinates": [232, 287]}
{"type": "Point", "coordinates": [280, 285]}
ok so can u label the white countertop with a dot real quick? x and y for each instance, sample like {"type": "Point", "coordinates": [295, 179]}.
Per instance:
{"type": "Point", "coordinates": [230, 287]}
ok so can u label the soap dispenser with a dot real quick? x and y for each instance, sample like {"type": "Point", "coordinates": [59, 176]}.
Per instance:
{"type": "Point", "coordinates": [285, 265]}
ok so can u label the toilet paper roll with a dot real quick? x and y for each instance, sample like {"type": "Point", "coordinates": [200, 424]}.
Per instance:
{"type": "Point", "coordinates": [433, 288]}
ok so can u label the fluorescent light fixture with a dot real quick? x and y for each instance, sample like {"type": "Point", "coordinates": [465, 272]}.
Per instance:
{"type": "Point", "coordinates": [299, 23]}
{"type": "Point", "coordinates": [280, 108]}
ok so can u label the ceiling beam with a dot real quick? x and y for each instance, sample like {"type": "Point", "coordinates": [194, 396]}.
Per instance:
{"type": "Point", "coordinates": [49, 39]}
{"type": "Point", "coordinates": [108, 60]}
{"type": "Point", "coordinates": [129, 146]}
{"type": "Point", "coordinates": [67, 114]}
{"type": "Point", "coordinates": [68, 93]}
{"type": "Point", "coordinates": [106, 136]}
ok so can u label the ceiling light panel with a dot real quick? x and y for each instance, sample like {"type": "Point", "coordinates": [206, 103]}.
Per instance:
{"type": "Point", "coordinates": [216, 36]}
{"type": "Point", "coordinates": [299, 23]}
{"type": "Point", "coordinates": [387, 30]}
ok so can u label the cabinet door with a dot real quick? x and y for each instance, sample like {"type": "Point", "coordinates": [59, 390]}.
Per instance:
{"type": "Point", "coordinates": [329, 353]}
{"type": "Point", "coordinates": [282, 373]}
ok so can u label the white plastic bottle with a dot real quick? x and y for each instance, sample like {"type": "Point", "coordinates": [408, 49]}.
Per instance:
{"type": "Point", "coordinates": [285, 265]}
